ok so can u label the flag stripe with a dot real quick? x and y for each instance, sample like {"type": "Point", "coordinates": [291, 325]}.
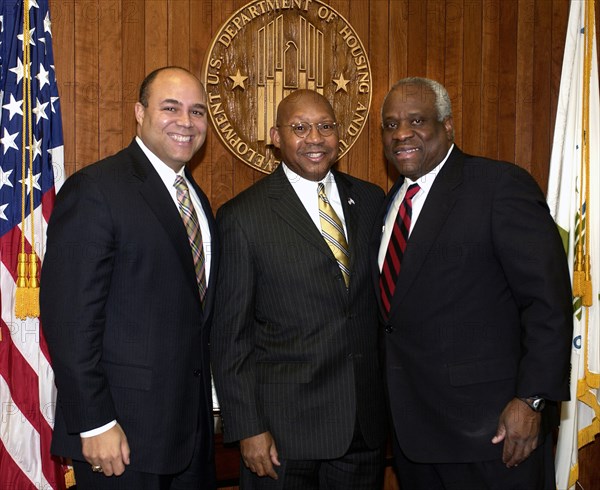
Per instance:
{"type": "Point", "coordinates": [33, 401]}
{"type": "Point", "coordinates": [12, 475]}
{"type": "Point", "coordinates": [26, 377]}
{"type": "Point", "coordinates": [16, 428]}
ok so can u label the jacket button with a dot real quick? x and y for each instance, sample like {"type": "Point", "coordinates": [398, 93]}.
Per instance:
{"type": "Point", "coordinates": [197, 373]}
{"type": "Point", "coordinates": [389, 329]}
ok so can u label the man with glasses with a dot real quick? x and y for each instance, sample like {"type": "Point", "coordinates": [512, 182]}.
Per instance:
{"type": "Point", "coordinates": [294, 339]}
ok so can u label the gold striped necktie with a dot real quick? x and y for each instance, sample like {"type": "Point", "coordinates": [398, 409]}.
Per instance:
{"type": "Point", "coordinates": [192, 226]}
{"type": "Point", "coordinates": [333, 232]}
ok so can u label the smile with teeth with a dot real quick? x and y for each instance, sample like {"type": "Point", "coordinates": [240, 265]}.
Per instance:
{"type": "Point", "coordinates": [406, 150]}
{"type": "Point", "coordinates": [315, 155]}
{"type": "Point", "coordinates": [181, 138]}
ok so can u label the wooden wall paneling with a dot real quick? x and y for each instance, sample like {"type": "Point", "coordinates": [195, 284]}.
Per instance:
{"type": "Point", "coordinates": [489, 78]}
{"type": "Point", "coordinates": [397, 35]}
{"type": "Point", "coordinates": [133, 58]}
{"type": "Point", "coordinates": [436, 39]}
{"type": "Point", "coordinates": [589, 469]}
{"type": "Point", "coordinates": [224, 165]}
{"type": "Point", "coordinates": [507, 82]}
{"type": "Point", "coordinates": [156, 52]}
{"type": "Point", "coordinates": [62, 16]}
{"type": "Point", "coordinates": [525, 53]}
{"type": "Point", "coordinates": [178, 29]}
{"type": "Point", "coordinates": [472, 78]}
{"type": "Point", "coordinates": [110, 77]}
{"type": "Point", "coordinates": [200, 24]}
{"type": "Point", "coordinates": [245, 175]}
{"type": "Point", "coordinates": [86, 83]}
{"type": "Point", "coordinates": [417, 38]}
{"type": "Point", "coordinates": [542, 128]}
{"type": "Point", "coordinates": [358, 157]}
{"type": "Point", "coordinates": [381, 52]}
{"type": "Point", "coordinates": [454, 55]}
{"type": "Point", "coordinates": [341, 7]}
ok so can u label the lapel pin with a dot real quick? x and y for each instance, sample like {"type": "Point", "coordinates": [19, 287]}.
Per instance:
{"type": "Point", "coordinates": [350, 201]}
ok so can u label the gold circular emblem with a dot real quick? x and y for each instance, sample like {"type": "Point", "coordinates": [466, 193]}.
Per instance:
{"type": "Point", "coordinates": [268, 49]}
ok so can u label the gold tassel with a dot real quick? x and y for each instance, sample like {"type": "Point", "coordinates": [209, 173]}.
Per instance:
{"type": "Point", "coordinates": [586, 297]}
{"type": "Point", "coordinates": [578, 274]}
{"type": "Point", "coordinates": [27, 300]}
{"type": "Point", "coordinates": [21, 295]}
{"type": "Point", "coordinates": [70, 477]}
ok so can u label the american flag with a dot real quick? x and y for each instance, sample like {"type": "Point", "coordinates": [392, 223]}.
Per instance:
{"type": "Point", "coordinates": [27, 390]}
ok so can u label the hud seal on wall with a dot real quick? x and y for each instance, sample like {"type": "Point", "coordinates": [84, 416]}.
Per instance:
{"type": "Point", "coordinates": [268, 49]}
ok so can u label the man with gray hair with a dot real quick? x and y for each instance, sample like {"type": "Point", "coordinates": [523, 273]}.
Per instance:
{"type": "Point", "coordinates": [475, 298]}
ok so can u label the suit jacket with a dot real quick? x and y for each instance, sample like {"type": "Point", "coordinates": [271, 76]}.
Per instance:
{"type": "Point", "coordinates": [122, 316]}
{"type": "Point", "coordinates": [481, 313]}
{"type": "Point", "coordinates": [295, 352]}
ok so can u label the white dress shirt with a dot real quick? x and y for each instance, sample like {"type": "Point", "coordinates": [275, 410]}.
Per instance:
{"type": "Point", "coordinates": [168, 175]}
{"type": "Point", "coordinates": [418, 200]}
{"type": "Point", "coordinates": [308, 194]}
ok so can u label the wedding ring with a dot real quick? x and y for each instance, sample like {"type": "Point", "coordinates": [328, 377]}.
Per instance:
{"type": "Point", "coordinates": [97, 469]}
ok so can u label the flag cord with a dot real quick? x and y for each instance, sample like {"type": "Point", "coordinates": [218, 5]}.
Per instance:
{"type": "Point", "coordinates": [584, 195]}
{"type": "Point", "coordinates": [27, 295]}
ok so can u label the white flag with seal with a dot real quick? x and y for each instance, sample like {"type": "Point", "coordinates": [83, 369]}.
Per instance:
{"type": "Point", "coordinates": [573, 197]}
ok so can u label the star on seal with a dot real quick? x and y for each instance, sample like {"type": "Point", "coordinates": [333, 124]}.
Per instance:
{"type": "Point", "coordinates": [341, 83]}
{"type": "Point", "coordinates": [238, 80]}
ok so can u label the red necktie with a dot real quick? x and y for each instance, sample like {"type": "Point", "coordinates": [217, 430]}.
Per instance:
{"type": "Point", "coordinates": [395, 250]}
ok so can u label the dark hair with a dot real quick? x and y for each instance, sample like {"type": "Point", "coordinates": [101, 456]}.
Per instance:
{"type": "Point", "coordinates": [145, 86]}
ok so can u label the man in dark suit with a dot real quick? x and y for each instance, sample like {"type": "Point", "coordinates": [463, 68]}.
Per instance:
{"type": "Point", "coordinates": [294, 346]}
{"type": "Point", "coordinates": [127, 302]}
{"type": "Point", "coordinates": [478, 316]}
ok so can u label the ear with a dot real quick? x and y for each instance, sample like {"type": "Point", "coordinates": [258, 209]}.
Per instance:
{"type": "Point", "coordinates": [140, 111]}
{"type": "Point", "coordinates": [449, 128]}
{"type": "Point", "coordinates": [275, 137]}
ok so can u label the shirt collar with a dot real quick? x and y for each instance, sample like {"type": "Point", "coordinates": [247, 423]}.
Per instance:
{"type": "Point", "coordinates": [166, 173]}
{"type": "Point", "coordinates": [426, 181]}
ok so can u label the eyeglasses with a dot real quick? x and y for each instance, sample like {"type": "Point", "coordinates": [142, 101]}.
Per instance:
{"type": "Point", "coordinates": [303, 129]}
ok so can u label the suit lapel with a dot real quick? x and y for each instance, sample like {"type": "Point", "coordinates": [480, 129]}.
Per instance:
{"type": "Point", "coordinates": [350, 214]}
{"type": "Point", "coordinates": [440, 201]}
{"type": "Point", "coordinates": [153, 191]}
{"type": "Point", "coordinates": [287, 205]}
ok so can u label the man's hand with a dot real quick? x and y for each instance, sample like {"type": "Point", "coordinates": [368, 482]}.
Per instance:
{"type": "Point", "coordinates": [518, 427]}
{"type": "Point", "coordinates": [109, 450]}
{"type": "Point", "coordinates": [260, 454]}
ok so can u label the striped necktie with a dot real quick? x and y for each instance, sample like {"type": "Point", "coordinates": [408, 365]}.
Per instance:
{"type": "Point", "coordinates": [333, 232]}
{"type": "Point", "coordinates": [192, 226]}
{"type": "Point", "coordinates": [395, 251]}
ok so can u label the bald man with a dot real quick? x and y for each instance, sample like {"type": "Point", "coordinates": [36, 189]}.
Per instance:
{"type": "Point", "coordinates": [125, 313]}
{"type": "Point", "coordinates": [294, 342]}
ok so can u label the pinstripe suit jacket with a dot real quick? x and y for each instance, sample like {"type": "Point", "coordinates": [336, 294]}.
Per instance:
{"type": "Point", "coordinates": [293, 351]}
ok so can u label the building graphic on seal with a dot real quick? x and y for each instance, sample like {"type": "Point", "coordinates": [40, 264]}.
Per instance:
{"type": "Point", "coordinates": [266, 50]}
{"type": "Point", "coordinates": [286, 65]}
